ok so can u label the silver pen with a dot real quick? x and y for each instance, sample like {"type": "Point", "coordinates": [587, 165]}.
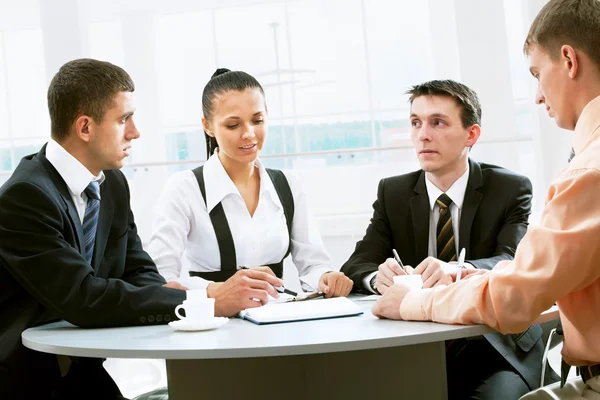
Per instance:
{"type": "Point", "coordinates": [398, 260]}
{"type": "Point", "coordinates": [461, 262]}
{"type": "Point", "coordinates": [279, 289]}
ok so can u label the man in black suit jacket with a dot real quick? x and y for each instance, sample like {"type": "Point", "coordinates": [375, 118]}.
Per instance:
{"type": "Point", "coordinates": [44, 273]}
{"type": "Point", "coordinates": [489, 208]}
{"type": "Point", "coordinates": [61, 258]}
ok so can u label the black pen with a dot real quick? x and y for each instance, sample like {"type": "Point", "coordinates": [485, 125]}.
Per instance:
{"type": "Point", "coordinates": [280, 289]}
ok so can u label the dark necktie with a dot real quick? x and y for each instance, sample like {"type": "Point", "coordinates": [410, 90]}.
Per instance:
{"type": "Point", "coordinates": [446, 250]}
{"type": "Point", "coordinates": [90, 218]}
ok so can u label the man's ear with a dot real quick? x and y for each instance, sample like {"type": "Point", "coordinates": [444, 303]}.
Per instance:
{"type": "Point", "coordinates": [83, 127]}
{"type": "Point", "coordinates": [474, 133]}
{"type": "Point", "coordinates": [570, 60]}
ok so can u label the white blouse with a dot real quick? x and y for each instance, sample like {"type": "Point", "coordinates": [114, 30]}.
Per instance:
{"type": "Point", "coordinates": [183, 235]}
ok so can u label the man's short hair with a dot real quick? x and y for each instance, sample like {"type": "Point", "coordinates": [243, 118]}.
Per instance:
{"type": "Point", "coordinates": [84, 87]}
{"type": "Point", "coordinates": [465, 97]}
{"type": "Point", "coordinates": [572, 22]}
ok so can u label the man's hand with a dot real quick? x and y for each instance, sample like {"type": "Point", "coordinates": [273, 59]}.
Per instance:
{"type": "Point", "coordinates": [335, 284]}
{"type": "Point", "coordinates": [248, 288]}
{"type": "Point", "coordinates": [386, 273]}
{"type": "Point", "coordinates": [175, 285]}
{"type": "Point", "coordinates": [435, 272]}
{"type": "Point", "coordinates": [467, 273]}
{"type": "Point", "coordinates": [388, 306]}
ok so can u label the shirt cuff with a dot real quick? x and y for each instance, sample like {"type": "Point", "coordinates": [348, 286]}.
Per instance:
{"type": "Point", "coordinates": [310, 281]}
{"type": "Point", "coordinates": [411, 308]}
{"type": "Point", "coordinates": [194, 282]}
{"type": "Point", "coordinates": [367, 282]}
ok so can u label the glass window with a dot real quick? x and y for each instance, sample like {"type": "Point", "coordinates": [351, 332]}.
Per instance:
{"type": "Point", "coordinates": [4, 116]}
{"type": "Point", "coordinates": [399, 46]}
{"type": "Point", "coordinates": [106, 42]}
{"type": "Point", "coordinates": [26, 84]}
{"type": "Point", "coordinates": [327, 44]}
{"type": "Point", "coordinates": [185, 61]}
{"type": "Point", "coordinates": [522, 83]}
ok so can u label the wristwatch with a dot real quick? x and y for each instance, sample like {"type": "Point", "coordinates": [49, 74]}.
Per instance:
{"type": "Point", "coordinates": [373, 284]}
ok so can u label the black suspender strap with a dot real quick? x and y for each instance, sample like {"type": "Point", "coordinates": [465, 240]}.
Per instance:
{"type": "Point", "coordinates": [282, 187]}
{"type": "Point", "coordinates": [223, 232]}
{"type": "Point", "coordinates": [221, 227]}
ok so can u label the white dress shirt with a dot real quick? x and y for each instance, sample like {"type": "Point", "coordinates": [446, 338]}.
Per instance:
{"type": "Point", "coordinates": [456, 192]}
{"type": "Point", "coordinates": [183, 235]}
{"type": "Point", "coordinates": [75, 174]}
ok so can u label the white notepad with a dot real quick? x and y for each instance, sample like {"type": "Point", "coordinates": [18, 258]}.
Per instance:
{"type": "Point", "coordinates": [273, 313]}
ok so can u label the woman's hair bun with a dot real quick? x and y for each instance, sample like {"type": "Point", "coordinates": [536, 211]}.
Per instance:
{"type": "Point", "coordinates": [220, 71]}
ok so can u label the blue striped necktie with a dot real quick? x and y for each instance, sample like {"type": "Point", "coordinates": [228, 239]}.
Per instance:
{"type": "Point", "coordinates": [90, 218]}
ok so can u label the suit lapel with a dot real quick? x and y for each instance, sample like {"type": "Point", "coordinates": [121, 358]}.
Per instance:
{"type": "Point", "coordinates": [419, 210]}
{"type": "Point", "coordinates": [62, 188]}
{"type": "Point", "coordinates": [75, 222]}
{"type": "Point", "coordinates": [470, 205]}
{"type": "Point", "coordinates": [104, 224]}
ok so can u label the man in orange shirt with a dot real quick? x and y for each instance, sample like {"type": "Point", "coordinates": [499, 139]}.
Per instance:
{"type": "Point", "coordinates": [559, 260]}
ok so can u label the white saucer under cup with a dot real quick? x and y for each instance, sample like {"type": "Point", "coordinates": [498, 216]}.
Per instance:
{"type": "Point", "coordinates": [185, 325]}
{"type": "Point", "coordinates": [199, 315]}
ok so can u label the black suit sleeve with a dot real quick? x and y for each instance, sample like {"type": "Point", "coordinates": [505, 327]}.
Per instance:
{"type": "Point", "coordinates": [140, 269]}
{"type": "Point", "coordinates": [374, 248]}
{"type": "Point", "coordinates": [516, 217]}
{"type": "Point", "coordinates": [37, 255]}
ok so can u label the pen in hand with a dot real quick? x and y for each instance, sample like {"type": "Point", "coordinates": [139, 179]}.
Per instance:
{"type": "Point", "coordinates": [461, 262]}
{"type": "Point", "coordinates": [398, 260]}
{"type": "Point", "coordinates": [280, 289]}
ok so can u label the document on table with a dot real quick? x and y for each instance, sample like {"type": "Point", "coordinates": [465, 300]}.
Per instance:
{"type": "Point", "coordinates": [292, 311]}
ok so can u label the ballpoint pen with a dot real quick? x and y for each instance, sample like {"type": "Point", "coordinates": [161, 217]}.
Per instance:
{"type": "Point", "coordinates": [461, 262]}
{"type": "Point", "coordinates": [279, 289]}
{"type": "Point", "coordinates": [398, 260]}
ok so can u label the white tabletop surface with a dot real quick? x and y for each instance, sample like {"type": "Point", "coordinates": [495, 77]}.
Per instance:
{"type": "Point", "coordinates": [239, 338]}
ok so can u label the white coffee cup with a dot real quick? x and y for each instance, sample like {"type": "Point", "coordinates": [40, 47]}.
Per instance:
{"type": "Point", "coordinates": [197, 310]}
{"type": "Point", "coordinates": [412, 281]}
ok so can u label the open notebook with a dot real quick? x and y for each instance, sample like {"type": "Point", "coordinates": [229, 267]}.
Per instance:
{"type": "Point", "coordinates": [273, 313]}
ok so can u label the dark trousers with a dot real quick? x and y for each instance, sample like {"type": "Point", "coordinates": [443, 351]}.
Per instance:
{"type": "Point", "coordinates": [40, 379]}
{"type": "Point", "coordinates": [475, 370]}
{"type": "Point", "coordinates": [87, 379]}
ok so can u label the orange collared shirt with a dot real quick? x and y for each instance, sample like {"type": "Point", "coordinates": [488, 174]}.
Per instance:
{"type": "Point", "coordinates": [557, 261]}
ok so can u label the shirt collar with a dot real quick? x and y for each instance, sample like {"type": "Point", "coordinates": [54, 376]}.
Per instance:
{"type": "Point", "coordinates": [587, 125]}
{"type": "Point", "coordinates": [456, 192]}
{"type": "Point", "coordinates": [74, 173]}
{"type": "Point", "coordinates": [219, 185]}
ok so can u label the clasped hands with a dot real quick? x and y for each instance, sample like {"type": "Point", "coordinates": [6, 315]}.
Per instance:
{"type": "Point", "coordinates": [433, 272]}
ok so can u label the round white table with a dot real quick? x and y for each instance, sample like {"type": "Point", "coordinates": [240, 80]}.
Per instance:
{"type": "Point", "coordinates": [352, 357]}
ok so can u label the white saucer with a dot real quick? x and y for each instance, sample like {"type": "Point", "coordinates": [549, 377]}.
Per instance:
{"type": "Point", "coordinates": [184, 325]}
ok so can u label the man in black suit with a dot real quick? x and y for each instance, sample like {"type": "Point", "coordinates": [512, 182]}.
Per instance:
{"type": "Point", "coordinates": [450, 204]}
{"type": "Point", "coordinates": [69, 247]}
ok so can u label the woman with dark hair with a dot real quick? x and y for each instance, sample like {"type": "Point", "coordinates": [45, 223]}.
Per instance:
{"type": "Point", "coordinates": [233, 212]}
